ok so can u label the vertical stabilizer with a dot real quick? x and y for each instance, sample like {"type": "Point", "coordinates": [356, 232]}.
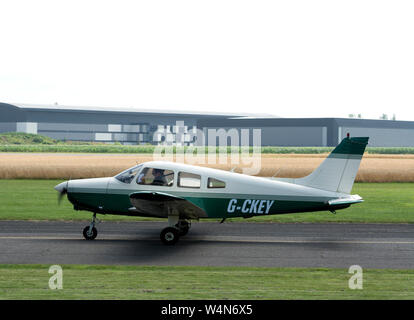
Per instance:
{"type": "Point", "coordinates": [338, 171]}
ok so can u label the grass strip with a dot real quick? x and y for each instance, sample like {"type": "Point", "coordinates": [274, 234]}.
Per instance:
{"type": "Point", "coordinates": [168, 282]}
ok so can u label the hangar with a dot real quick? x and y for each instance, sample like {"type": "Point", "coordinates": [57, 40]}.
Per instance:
{"type": "Point", "coordinates": [320, 131]}
{"type": "Point", "coordinates": [124, 125]}
{"type": "Point", "coordinates": [137, 126]}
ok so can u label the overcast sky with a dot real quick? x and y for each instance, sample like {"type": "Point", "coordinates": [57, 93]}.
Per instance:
{"type": "Point", "coordinates": [287, 58]}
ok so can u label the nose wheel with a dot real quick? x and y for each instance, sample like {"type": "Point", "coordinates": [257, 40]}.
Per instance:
{"type": "Point", "coordinates": [90, 232]}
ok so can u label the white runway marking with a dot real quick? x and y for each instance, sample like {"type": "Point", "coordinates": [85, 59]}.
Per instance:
{"type": "Point", "coordinates": [212, 239]}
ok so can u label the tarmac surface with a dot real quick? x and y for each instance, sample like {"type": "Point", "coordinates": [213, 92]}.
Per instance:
{"type": "Point", "coordinates": [211, 244]}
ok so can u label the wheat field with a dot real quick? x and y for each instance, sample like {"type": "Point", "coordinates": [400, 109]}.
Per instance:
{"type": "Point", "coordinates": [374, 168]}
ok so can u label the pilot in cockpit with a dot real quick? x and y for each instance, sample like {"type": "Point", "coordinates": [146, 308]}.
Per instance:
{"type": "Point", "coordinates": [159, 177]}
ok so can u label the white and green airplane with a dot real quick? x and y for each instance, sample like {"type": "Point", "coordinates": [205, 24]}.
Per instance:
{"type": "Point", "coordinates": [183, 192]}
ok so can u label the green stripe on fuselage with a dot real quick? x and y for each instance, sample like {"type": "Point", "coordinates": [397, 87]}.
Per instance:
{"type": "Point", "coordinates": [216, 205]}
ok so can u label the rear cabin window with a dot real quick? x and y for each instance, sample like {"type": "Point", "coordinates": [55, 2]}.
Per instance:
{"type": "Point", "coordinates": [156, 177]}
{"type": "Point", "coordinates": [215, 183]}
{"type": "Point", "coordinates": [189, 180]}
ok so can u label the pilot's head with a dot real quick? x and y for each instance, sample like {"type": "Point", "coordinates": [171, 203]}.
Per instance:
{"type": "Point", "coordinates": [157, 172]}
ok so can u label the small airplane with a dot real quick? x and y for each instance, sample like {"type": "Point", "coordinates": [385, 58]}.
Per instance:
{"type": "Point", "coordinates": [183, 192]}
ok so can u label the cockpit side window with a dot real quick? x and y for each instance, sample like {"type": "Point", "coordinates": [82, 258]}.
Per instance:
{"type": "Point", "coordinates": [189, 180]}
{"type": "Point", "coordinates": [128, 175]}
{"type": "Point", "coordinates": [215, 183]}
{"type": "Point", "coordinates": [156, 177]}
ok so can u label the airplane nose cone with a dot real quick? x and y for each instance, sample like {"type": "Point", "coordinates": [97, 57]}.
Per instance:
{"type": "Point", "coordinates": [61, 187]}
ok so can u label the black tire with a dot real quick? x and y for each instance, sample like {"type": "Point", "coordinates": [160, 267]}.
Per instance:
{"type": "Point", "coordinates": [89, 236]}
{"type": "Point", "coordinates": [169, 236]}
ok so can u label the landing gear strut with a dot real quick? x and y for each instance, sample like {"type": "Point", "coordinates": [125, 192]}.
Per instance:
{"type": "Point", "coordinates": [90, 232]}
{"type": "Point", "coordinates": [183, 227]}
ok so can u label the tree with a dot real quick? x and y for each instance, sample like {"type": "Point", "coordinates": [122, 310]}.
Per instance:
{"type": "Point", "coordinates": [385, 117]}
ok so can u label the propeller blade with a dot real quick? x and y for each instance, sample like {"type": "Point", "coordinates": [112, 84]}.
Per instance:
{"type": "Point", "coordinates": [61, 195]}
{"type": "Point", "coordinates": [62, 188]}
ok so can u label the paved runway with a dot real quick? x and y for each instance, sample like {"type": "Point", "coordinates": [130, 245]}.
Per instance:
{"type": "Point", "coordinates": [211, 244]}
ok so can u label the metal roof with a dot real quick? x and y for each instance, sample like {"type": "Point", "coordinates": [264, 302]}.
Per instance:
{"type": "Point", "coordinates": [57, 107]}
{"type": "Point", "coordinates": [280, 122]}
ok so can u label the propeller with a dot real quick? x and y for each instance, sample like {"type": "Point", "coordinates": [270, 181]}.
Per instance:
{"type": "Point", "coordinates": [62, 188]}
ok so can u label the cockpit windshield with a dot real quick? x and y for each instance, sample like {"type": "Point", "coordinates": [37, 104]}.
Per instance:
{"type": "Point", "coordinates": [128, 175]}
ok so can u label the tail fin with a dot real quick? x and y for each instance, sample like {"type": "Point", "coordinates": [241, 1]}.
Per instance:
{"type": "Point", "coordinates": [338, 171]}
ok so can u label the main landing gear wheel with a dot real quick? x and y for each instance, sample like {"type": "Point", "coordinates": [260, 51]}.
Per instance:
{"type": "Point", "coordinates": [90, 232]}
{"type": "Point", "coordinates": [170, 236]}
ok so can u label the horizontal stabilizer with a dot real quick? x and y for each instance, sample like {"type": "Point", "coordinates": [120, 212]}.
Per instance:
{"type": "Point", "coordinates": [349, 200]}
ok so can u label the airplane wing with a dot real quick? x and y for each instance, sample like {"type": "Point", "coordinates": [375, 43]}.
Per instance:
{"type": "Point", "coordinates": [160, 204]}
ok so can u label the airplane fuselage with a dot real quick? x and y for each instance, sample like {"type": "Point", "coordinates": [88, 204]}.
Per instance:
{"type": "Point", "coordinates": [242, 196]}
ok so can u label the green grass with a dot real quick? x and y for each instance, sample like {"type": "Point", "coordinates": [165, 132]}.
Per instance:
{"type": "Point", "coordinates": [82, 147]}
{"type": "Point", "coordinates": [148, 282]}
{"type": "Point", "coordinates": [384, 203]}
{"type": "Point", "coordinates": [28, 142]}
{"type": "Point", "coordinates": [21, 140]}
{"type": "Point", "coordinates": [24, 138]}
{"type": "Point", "coordinates": [74, 148]}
